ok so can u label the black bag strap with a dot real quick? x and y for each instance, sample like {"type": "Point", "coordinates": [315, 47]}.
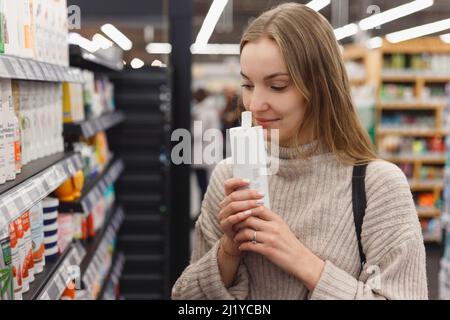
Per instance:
{"type": "Point", "coordinates": [359, 205]}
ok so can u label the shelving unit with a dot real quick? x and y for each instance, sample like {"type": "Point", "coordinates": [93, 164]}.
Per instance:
{"type": "Point", "coordinates": [28, 69]}
{"type": "Point", "coordinates": [90, 127]}
{"type": "Point", "coordinates": [37, 180]}
{"type": "Point", "coordinates": [93, 263]}
{"type": "Point", "coordinates": [361, 61]}
{"type": "Point", "coordinates": [50, 284]}
{"type": "Point", "coordinates": [93, 191]}
{"type": "Point", "coordinates": [415, 81]}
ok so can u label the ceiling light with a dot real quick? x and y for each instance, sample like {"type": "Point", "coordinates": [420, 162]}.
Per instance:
{"type": "Point", "coordinates": [346, 31]}
{"type": "Point", "coordinates": [213, 15]}
{"type": "Point", "coordinates": [159, 48]}
{"type": "Point", "coordinates": [86, 44]}
{"type": "Point", "coordinates": [394, 13]}
{"type": "Point", "coordinates": [418, 31]}
{"type": "Point", "coordinates": [317, 5]}
{"type": "Point", "coordinates": [375, 42]}
{"type": "Point", "coordinates": [215, 48]}
{"type": "Point", "coordinates": [137, 63]}
{"type": "Point", "coordinates": [445, 37]}
{"type": "Point", "coordinates": [118, 37]}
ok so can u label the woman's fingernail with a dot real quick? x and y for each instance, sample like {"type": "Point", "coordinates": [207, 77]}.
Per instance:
{"type": "Point", "coordinates": [261, 194]}
{"type": "Point", "coordinates": [260, 201]}
{"type": "Point", "coordinates": [246, 213]}
{"type": "Point", "coordinates": [246, 180]}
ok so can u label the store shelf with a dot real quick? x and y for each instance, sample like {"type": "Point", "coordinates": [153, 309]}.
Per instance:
{"type": "Point", "coordinates": [51, 283]}
{"type": "Point", "coordinates": [425, 185]}
{"type": "Point", "coordinates": [37, 180]}
{"type": "Point", "coordinates": [102, 60]}
{"type": "Point", "coordinates": [428, 213]}
{"type": "Point", "coordinates": [88, 128]}
{"type": "Point", "coordinates": [93, 263]}
{"type": "Point", "coordinates": [424, 158]}
{"type": "Point", "coordinates": [410, 132]}
{"type": "Point", "coordinates": [27, 69]}
{"type": "Point", "coordinates": [413, 105]}
{"type": "Point", "coordinates": [94, 191]}
{"type": "Point", "coordinates": [113, 275]}
{"type": "Point", "coordinates": [412, 76]}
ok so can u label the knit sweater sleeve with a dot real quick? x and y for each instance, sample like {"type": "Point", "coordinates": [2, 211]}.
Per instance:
{"type": "Point", "coordinates": [201, 279]}
{"type": "Point", "coordinates": [392, 242]}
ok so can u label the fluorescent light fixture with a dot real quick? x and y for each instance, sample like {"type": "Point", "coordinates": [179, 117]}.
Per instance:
{"type": "Point", "coordinates": [346, 31]}
{"type": "Point", "coordinates": [79, 40]}
{"type": "Point", "coordinates": [445, 37]}
{"type": "Point", "coordinates": [318, 5]}
{"type": "Point", "coordinates": [215, 48]}
{"type": "Point", "coordinates": [136, 63]}
{"type": "Point", "coordinates": [394, 13]}
{"type": "Point", "coordinates": [213, 15]}
{"type": "Point", "coordinates": [375, 42]}
{"type": "Point", "coordinates": [418, 31]}
{"type": "Point", "coordinates": [118, 37]}
{"type": "Point", "coordinates": [102, 41]}
{"type": "Point", "coordinates": [159, 48]}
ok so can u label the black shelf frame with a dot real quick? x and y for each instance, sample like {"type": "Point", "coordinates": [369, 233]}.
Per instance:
{"type": "Point", "coordinates": [88, 128]}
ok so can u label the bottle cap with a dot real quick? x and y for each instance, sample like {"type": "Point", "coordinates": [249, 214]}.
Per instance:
{"type": "Point", "coordinates": [246, 119]}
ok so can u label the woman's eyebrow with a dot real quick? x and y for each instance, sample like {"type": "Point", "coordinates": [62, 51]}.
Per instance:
{"type": "Point", "coordinates": [273, 75]}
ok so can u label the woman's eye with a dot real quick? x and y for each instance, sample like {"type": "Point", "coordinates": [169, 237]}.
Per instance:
{"type": "Point", "coordinates": [278, 88]}
{"type": "Point", "coordinates": [246, 86]}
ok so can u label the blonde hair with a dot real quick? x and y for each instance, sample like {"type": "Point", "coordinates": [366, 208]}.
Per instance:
{"type": "Point", "coordinates": [315, 63]}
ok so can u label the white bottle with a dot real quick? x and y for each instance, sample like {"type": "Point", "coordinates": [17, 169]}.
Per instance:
{"type": "Point", "coordinates": [9, 126]}
{"type": "Point", "coordinates": [248, 155]}
{"type": "Point", "coordinates": [2, 142]}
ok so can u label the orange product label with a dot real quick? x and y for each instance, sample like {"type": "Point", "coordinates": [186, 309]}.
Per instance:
{"type": "Point", "coordinates": [28, 40]}
{"type": "Point", "coordinates": [17, 151]}
{"type": "Point", "coordinates": [26, 221]}
{"type": "Point", "coordinates": [12, 235]}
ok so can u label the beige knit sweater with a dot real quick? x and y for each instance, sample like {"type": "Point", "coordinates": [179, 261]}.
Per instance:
{"type": "Point", "coordinates": [314, 197]}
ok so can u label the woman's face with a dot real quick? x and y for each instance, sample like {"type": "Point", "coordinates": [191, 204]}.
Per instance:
{"type": "Point", "coordinates": [268, 91]}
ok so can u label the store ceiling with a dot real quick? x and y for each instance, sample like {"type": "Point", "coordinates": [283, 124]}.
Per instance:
{"type": "Point", "coordinates": [144, 21]}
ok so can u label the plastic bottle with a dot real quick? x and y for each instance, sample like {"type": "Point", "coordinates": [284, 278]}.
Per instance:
{"type": "Point", "coordinates": [6, 274]}
{"type": "Point", "coordinates": [8, 129]}
{"type": "Point", "coordinates": [2, 141]}
{"type": "Point", "coordinates": [249, 156]}
{"type": "Point", "coordinates": [15, 258]}
{"type": "Point", "coordinates": [37, 237]}
{"type": "Point", "coordinates": [28, 245]}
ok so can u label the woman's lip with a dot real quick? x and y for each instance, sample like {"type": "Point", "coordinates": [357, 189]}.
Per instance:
{"type": "Point", "coordinates": [266, 121]}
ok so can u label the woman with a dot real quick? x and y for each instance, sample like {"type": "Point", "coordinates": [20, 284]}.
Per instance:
{"type": "Point", "coordinates": [306, 245]}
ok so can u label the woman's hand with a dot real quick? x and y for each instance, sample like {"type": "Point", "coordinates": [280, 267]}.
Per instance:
{"type": "Point", "coordinates": [235, 208]}
{"type": "Point", "coordinates": [278, 243]}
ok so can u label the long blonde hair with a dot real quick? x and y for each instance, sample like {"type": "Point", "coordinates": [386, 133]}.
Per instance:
{"type": "Point", "coordinates": [315, 63]}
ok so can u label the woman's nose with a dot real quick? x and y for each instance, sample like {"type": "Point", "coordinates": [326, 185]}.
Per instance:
{"type": "Point", "coordinates": [258, 102]}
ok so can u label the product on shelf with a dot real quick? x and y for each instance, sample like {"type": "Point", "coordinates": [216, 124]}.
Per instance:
{"type": "Point", "coordinates": [50, 207]}
{"type": "Point", "coordinates": [9, 128]}
{"type": "Point", "coordinates": [65, 230]}
{"type": "Point", "coordinates": [21, 244]}
{"type": "Point", "coordinates": [70, 189]}
{"type": "Point", "coordinates": [6, 272]}
{"type": "Point", "coordinates": [73, 105]}
{"type": "Point", "coordinates": [434, 63]}
{"type": "Point", "coordinates": [28, 245]}
{"type": "Point", "coordinates": [408, 120]}
{"type": "Point", "coordinates": [37, 235]}
{"type": "Point", "coordinates": [16, 262]}
{"type": "Point", "coordinates": [396, 92]}
{"type": "Point", "coordinates": [35, 29]}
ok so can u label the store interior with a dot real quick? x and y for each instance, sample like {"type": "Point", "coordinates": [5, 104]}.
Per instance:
{"type": "Point", "coordinates": [92, 92]}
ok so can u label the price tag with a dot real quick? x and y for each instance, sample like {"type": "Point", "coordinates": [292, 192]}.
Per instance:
{"type": "Point", "coordinates": [17, 69]}
{"type": "Point", "coordinates": [3, 69]}
{"type": "Point", "coordinates": [36, 69]}
{"type": "Point", "coordinates": [29, 73]}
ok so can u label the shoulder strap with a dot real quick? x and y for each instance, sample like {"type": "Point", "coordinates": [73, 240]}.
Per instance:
{"type": "Point", "coordinates": [359, 205]}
